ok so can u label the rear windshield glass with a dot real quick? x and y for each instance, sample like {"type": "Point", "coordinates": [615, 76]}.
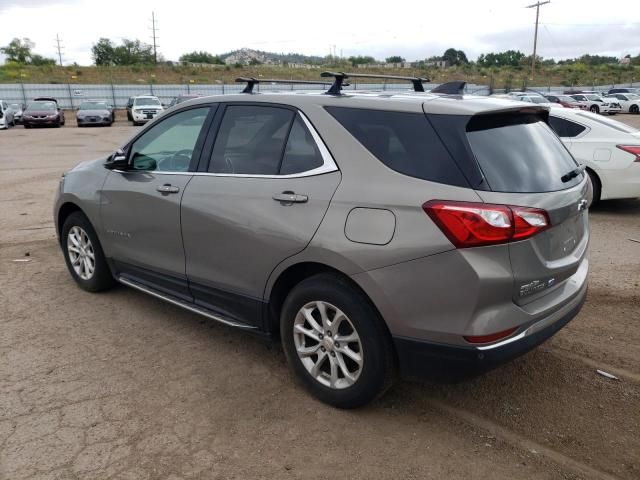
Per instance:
{"type": "Point", "coordinates": [520, 153]}
{"type": "Point", "coordinates": [403, 141]}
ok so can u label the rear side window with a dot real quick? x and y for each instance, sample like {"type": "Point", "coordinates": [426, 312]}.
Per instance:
{"type": "Point", "coordinates": [301, 153]}
{"type": "Point", "coordinates": [404, 142]}
{"type": "Point", "coordinates": [565, 128]}
{"type": "Point", "coordinates": [519, 153]}
{"type": "Point", "coordinates": [251, 140]}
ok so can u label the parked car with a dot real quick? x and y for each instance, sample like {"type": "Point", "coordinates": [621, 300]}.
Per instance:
{"type": "Point", "coordinates": [359, 229]}
{"type": "Point", "coordinates": [566, 101]}
{"type": "Point", "coordinates": [94, 113]}
{"type": "Point", "coordinates": [629, 102]}
{"type": "Point", "coordinates": [43, 113]}
{"type": "Point", "coordinates": [143, 108]}
{"type": "Point", "coordinates": [610, 150]}
{"type": "Point", "coordinates": [109, 105]}
{"type": "Point", "coordinates": [623, 90]}
{"type": "Point", "coordinates": [17, 109]}
{"type": "Point", "coordinates": [184, 97]}
{"type": "Point", "coordinates": [596, 104]}
{"type": "Point", "coordinates": [537, 99]}
{"type": "Point", "coordinates": [6, 116]}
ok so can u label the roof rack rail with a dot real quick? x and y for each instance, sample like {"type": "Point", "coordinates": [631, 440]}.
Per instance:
{"type": "Point", "coordinates": [450, 88]}
{"type": "Point", "coordinates": [339, 78]}
{"type": "Point", "coordinates": [250, 81]}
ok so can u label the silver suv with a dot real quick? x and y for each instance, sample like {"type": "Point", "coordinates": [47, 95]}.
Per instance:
{"type": "Point", "coordinates": [425, 234]}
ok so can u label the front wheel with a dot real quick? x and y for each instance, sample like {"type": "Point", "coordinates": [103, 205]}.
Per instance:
{"type": "Point", "coordinates": [634, 109]}
{"type": "Point", "coordinates": [595, 109]}
{"type": "Point", "coordinates": [83, 254]}
{"type": "Point", "coordinates": [336, 342]}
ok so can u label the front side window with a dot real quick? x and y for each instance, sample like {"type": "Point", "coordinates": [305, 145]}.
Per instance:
{"type": "Point", "coordinates": [251, 140]}
{"type": "Point", "coordinates": [565, 128]}
{"type": "Point", "coordinates": [168, 146]}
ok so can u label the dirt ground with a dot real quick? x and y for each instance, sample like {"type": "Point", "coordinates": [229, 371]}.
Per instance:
{"type": "Point", "coordinates": [121, 385]}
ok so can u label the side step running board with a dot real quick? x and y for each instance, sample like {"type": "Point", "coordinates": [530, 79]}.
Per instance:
{"type": "Point", "coordinates": [185, 305]}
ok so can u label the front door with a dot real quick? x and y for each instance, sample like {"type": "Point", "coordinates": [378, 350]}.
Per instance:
{"type": "Point", "coordinates": [141, 206]}
{"type": "Point", "coordinates": [268, 185]}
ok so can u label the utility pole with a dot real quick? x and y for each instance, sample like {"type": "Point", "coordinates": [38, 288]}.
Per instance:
{"type": "Point", "coordinates": [59, 48]}
{"type": "Point", "coordinates": [535, 35]}
{"type": "Point", "coordinates": [154, 36]}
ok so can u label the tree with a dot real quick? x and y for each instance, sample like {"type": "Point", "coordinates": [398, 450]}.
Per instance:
{"type": "Point", "coordinates": [361, 60]}
{"type": "Point", "coordinates": [509, 58]}
{"type": "Point", "coordinates": [131, 52]}
{"type": "Point", "coordinates": [395, 59]}
{"type": "Point", "coordinates": [39, 60]}
{"type": "Point", "coordinates": [103, 52]}
{"type": "Point", "coordinates": [201, 57]}
{"type": "Point", "coordinates": [454, 57]}
{"type": "Point", "coordinates": [18, 51]}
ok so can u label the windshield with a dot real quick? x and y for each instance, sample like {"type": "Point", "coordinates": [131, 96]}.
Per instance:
{"type": "Point", "coordinates": [94, 106]}
{"type": "Point", "coordinates": [593, 97]}
{"type": "Point", "coordinates": [621, 127]}
{"type": "Point", "coordinates": [146, 101]}
{"type": "Point", "coordinates": [539, 100]}
{"type": "Point", "coordinates": [566, 98]}
{"type": "Point", "coordinates": [14, 106]}
{"type": "Point", "coordinates": [520, 153]}
{"type": "Point", "coordinates": [39, 106]}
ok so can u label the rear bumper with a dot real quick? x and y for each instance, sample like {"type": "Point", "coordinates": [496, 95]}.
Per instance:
{"type": "Point", "coordinates": [420, 360]}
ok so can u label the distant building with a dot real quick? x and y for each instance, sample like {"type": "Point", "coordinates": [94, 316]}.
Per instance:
{"type": "Point", "coordinates": [625, 60]}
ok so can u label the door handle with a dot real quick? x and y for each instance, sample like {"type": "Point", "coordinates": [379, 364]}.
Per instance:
{"type": "Point", "coordinates": [290, 197]}
{"type": "Point", "coordinates": [167, 188]}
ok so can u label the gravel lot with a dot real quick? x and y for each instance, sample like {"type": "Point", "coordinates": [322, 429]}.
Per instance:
{"type": "Point", "coordinates": [121, 385]}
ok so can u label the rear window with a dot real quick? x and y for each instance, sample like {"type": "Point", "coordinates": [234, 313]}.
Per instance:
{"type": "Point", "coordinates": [565, 128]}
{"type": "Point", "coordinates": [519, 153]}
{"type": "Point", "coordinates": [404, 142]}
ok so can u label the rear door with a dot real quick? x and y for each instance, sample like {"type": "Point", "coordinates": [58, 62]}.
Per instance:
{"type": "Point", "coordinates": [259, 200]}
{"type": "Point", "coordinates": [526, 165]}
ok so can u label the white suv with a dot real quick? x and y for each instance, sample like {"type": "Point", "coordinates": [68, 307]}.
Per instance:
{"type": "Point", "coordinates": [145, 108]}
{"type": "Point", "coordinates": [596, 104]}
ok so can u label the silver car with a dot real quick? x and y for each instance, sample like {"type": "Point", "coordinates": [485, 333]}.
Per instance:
{"type": "Point", "coordinates": [427, 235]}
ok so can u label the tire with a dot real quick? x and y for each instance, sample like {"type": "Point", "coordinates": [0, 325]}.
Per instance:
{"type": "Point", "coordinates": [129, 117]}
{"type": "Point", "coordinates": [595, 109]}
{"type": "Point", "coordinates": [27, 126]}
{"type": "Point", "coordinates": [372, 345]}
{"type": "Point", "coordinates": [596, 187]}
{"type": "Point", "coordinates": [634, 109]}
{"type": "Point", "coordinates": [78, 226]}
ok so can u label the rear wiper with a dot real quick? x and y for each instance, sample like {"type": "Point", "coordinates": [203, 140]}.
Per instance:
{"type": "Point", "coordinates": [572, 174]}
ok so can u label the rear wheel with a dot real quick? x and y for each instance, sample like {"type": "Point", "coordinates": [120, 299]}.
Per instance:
{"type": "Point", "coordinates": [335, 342]}
{"type": "Point", "coordinates": [595, 109]}
{"type": "Point", "coordinates": [83, 254]}
{"type": "Point", "coordinates": [634, 109]}
{"type": "Point", "coordinates": [596, 187]}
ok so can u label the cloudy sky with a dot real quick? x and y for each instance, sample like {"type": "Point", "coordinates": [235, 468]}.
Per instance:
{"type": "Point", "coordinates": [413, 29]}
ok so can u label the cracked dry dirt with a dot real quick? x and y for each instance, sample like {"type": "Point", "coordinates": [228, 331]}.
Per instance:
{"type": "Point", "coordinates": [122, 386]}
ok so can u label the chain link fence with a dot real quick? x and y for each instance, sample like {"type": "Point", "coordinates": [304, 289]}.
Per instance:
{"type": "Point", "coordinates": [70, 96]}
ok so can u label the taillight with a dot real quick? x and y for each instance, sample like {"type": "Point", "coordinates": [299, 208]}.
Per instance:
{"type": "Point", "coordinates": [468, 224]}
{"type": "Point", "coordinates": [632, 149]}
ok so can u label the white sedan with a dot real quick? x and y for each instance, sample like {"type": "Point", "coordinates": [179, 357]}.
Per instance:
{"type": "Point", "coordinates": [630, 102]}
{"type": "Point", "coordinates": [610, 150]}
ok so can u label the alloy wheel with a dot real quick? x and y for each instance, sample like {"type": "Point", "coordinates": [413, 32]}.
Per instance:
{"type": "Point", "coordinates": [328, 345]}
{"type": "Point", "coordinates": [81, 253]}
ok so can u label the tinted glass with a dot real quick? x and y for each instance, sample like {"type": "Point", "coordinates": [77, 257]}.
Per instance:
{"type": "Point", "coordinates": [520, 153]}
{"type": "Point", "coordinates": [565, 128]}
{"type": "Point", "coordinates": [405, 142]}
{"type": "Point", "coordinates": [301, 153]}
{"type": "Point", "coordinates": [168, 146]}
{"type": "Point", "coordinates": [251, 140]}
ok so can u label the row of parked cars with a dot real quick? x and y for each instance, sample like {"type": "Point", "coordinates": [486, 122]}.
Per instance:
{"type": "Point", "coordinates": [45, 111]}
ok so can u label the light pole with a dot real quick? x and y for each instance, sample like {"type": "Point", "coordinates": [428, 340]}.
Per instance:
{"type": "Point", "coordinates": [535, 35]}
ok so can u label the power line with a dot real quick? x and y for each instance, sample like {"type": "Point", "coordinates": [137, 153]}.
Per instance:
{"type": "Point", "coordinates": [59, 48]}
{"type": "Point", "coordinates": [535, 35]}
{"type": "Point", "coordinates": [154, 36]}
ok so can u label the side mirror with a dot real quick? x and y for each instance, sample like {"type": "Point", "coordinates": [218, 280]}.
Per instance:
{"type": "Point", "coordinates": [117, 161]}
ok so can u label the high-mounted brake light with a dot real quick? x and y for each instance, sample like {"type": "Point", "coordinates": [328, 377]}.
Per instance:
{"type": "Point", "coordinates": [469, 224]}
{"type": "Point", "coordinates": [632, 149]}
